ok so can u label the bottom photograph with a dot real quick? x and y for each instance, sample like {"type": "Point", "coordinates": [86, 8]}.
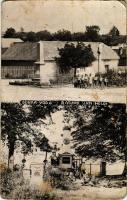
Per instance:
{"type": "Point", "coordinates": [63, 150]}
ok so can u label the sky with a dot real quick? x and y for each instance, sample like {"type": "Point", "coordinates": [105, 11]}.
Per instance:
{"type": "Point", "coordinates": [73, 15]}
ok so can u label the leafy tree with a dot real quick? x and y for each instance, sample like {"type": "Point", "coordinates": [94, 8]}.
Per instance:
{"type": "Point", "coordinates": [41, 111]}
{"type": "Point", "coordinates": [92, 33]}
{"type": "Point", "coordinates": [114, 32]}
{"type": "Point", "coordinates": [79, 36]}
{"type": "Point", "coordinates": [10, 33]}
{"type": "Point", "coordinates": [74, 56]}
{"type": "Point", "coordinates": [31, 37]}
{"type": "Point", "coordinates": [44, 35]}
{"type": "Point", "coordinates": [103, 135]}
{"type": "Point", "coordinates": [14, 128]}
{"type": "Point", "coordinates": [62, 35]}
{"type": "Point", "coordinates": [113, 37]}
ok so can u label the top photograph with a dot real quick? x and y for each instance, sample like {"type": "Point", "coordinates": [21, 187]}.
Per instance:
{"type": "Point", "coordinates": [64, 50]}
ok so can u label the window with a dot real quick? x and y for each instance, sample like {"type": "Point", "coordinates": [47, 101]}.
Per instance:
{"type": "Point", "coordinates": [66, 160]}
{"type": "Point", "coordinates": [106, 68]}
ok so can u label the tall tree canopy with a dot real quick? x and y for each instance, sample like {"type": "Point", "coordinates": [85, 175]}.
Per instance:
{"type": "Point", "coordinates": [62, 35]}
{"type": "Point", "coordinates": [103, 135]}
{"type": "Point", "coordinates": [14, 127]}
{"type": "Point", "coordinates": [44, 35]}
{"type": "Point", "coordinates": [10, 33]}
{"type": "Point", "coordinates": [92, 33]}
{"type": "Point", "coordinates": [114, 32]}
{"type": "Point", "coordinates": [74, 56]}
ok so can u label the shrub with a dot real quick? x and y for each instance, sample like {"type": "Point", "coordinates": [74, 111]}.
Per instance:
{"type": "Point", "coordinates": [13, 186]}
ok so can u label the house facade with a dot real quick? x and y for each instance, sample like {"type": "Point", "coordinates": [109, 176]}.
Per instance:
{"type": "Point", "coordinates": [28, 60]}
{"type": "Point", "coordinates": [121, 50]}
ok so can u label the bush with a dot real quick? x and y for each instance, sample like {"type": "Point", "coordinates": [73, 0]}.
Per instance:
{"type": "Point", "coordinates": [13, 186]}
{"type": "Point", "coordinates": [9, 181]}
{"type": "Point", "coordinates": [116, 78]}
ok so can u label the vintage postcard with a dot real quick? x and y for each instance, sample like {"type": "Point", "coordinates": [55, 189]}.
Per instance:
{"type": "Point", "coordinates": [63, 150]}
{"type": "Point", "coordinates": [63, 100]}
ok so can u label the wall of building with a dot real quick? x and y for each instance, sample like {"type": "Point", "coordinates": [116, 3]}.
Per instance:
{"type": "Point", "coordinates": [113, 64]}
{"type": "Point", "coordinates": [93, 69]}
{"type": "Point", "coordinates": [17, 69]}
{"type": "Point", "coordinates": [48, 71]}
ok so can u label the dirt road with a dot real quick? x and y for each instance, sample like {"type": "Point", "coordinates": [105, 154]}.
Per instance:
{"type": "Point", "coordinates": [17, 93]}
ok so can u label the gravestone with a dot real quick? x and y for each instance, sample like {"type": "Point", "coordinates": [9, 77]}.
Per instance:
{"type": "Point", "coordinates": [36, 174]}
{"type": "Point", "coordinates": [26, 174]}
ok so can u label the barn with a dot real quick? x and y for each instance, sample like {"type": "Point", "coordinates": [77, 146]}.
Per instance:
{"type": "Point", "coordinates": [36, 60]}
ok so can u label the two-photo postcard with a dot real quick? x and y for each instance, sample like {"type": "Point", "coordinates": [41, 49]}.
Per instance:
{"type": "Point", "coordinates": [63, 100]}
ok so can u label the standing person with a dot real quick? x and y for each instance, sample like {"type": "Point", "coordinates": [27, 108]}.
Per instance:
{"type": "Point", "coordinates": [86, 80]}
{"type": "Point", "coordinates": [100, 81]}
{"type": "Point", "coordinates": [95, 80]}
{"type": "Point", "coordinates": [90, 80]}
{"type": "Point", "coordinates": [106, 82]}
{"type": "Point", "coordinates": [78, 81]}
{"type": "Point", "coordinates": [82, 81]}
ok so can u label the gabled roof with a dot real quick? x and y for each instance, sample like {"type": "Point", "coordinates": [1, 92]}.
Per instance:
{"type": "Point", "coordinates": [30, 51]}
{"type": "Point", "coordinates": [7, 42]}
{"type": "Point", "coordinates": [51, 49]}
{"type": "Point", "coordinates": [26, 51]}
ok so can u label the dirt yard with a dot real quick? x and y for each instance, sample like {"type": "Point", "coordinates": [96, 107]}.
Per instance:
{"type": "Point", "coordinates": [16, 93]}
{"type": "Point", "coordinates": [94, 193]}
{"type": "Point", "coordinates": [107, 188]}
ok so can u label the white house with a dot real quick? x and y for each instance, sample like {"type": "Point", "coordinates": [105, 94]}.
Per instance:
{"type": "Point", "coordinates": [38, 59]}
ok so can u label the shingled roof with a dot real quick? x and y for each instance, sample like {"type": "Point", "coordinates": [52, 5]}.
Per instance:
{"type": "Point", "coordinates": [29, 51]}
{"type": "Point", "coordinates": [26, 51]}
{"type": "Point", "coordinates": [51, 49]}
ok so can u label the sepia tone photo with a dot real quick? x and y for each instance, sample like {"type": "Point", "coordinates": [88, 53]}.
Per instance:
{"type": "Point", "coordinates": [63, 150]}
{"type": "Point", "coordinates": [66, 49]}
{"type": "Point", "coordinates": [64, 100]}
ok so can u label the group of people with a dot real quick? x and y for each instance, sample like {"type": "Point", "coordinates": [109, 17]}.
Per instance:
{"type": "Point", "coordinates": [89, 81]}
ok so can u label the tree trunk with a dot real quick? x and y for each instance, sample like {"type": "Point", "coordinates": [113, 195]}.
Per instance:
{"type": "Point", "coordinates": [45, 162]}
{"type": "Point", "coordinates": [11, 162]}
{"type": "Point", "coordinates": [11, 149]}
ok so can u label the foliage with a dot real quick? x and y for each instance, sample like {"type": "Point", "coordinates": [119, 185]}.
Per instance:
{"type": "Point", "coordinates": [78, 36]}
{"type": "Point", "coordinates": [73, 56]}
{"type": "Point", "coordinates": [13, 186]}
{"type": "Point", "coordinates": [42, 143]}
{"type": "Point", "coordinates": [9, 180]}
{"type": "Point", "coordinates": [44, 35]}
{"type": "Point", "coordinates": [114, 32]}
{"type": "Point", "coordinates": [62, 35]}
{"type": "Point", "coordinates": [31, 37]}
{"type": "Point", "coordinates": [116, 78]}
{"type": "Point", "coordinates": [92, 33]}
{"type": "Point", "coordinates": [103, 136]}
{"type": "Point", "coordinates": [10, 33]}
{"type": "Point", "coordinates": [17, 130]}
{"type": "Point", "coordinates": [14, 127]}
{"type": "Point", "coordinates": [40, 110]}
